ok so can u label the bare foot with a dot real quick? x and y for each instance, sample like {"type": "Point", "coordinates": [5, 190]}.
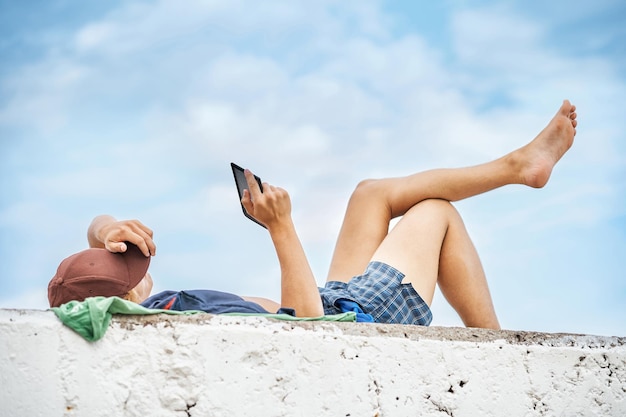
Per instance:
{"type": "Point", "coordinates": [536, 159]}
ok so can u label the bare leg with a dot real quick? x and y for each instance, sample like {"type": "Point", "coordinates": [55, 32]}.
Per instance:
{"type": "Point", "coordinates": [431, 246]}
{"type": "Point", "coordinates": [375, 202]}
{"type": "Point", "coordinates": [462, 279]}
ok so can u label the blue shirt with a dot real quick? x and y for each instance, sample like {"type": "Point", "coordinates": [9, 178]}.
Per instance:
{"type": "Point", "coordinates": [217, 302]}
{"type": "Point", "coordinates": [210, 301]}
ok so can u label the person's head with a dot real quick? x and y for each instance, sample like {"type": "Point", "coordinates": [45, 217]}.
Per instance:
{"type": "Point", "coordinates": [141, 291]}
{"type": "Point", "coordinates": [98, 272]}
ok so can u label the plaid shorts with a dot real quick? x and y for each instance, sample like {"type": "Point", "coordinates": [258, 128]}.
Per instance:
{"type": "Point", "coordinates": [379, 292]}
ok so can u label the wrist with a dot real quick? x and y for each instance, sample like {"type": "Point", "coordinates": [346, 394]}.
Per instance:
{"type": "Point", "coordinates": [95, 231]}
{"type": "Point", "coordinates": [281, 228]}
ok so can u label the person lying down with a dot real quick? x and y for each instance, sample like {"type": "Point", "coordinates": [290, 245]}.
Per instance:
{"type": "Point", "coordinates": [386, 276]}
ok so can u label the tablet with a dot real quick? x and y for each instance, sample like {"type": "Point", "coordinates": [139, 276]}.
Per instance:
{"type": "Point", "coordinates": [242, 184]}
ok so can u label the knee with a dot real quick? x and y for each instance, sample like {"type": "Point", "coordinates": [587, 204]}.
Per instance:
{"type": "Point", "coordinates": [434, 207]}
{"type": "Point", "coordinates": [367, 190]}
{"type": "Point", "coordinates": [437, 204]}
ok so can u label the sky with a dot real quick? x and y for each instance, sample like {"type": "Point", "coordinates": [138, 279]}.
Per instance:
{"type": "Point", "coordinates": [136, 109]}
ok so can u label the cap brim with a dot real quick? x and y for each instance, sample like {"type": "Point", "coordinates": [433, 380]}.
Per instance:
{"type": "Point", "coordinates": [137, 262]}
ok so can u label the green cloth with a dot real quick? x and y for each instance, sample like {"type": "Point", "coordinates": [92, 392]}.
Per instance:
{"type": "Point", "coordinates": [91, 318]}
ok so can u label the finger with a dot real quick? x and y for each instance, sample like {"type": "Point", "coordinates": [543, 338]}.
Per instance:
{"type": "Point", "coordinates": [147, 246]}
{"type": "Point", "coordinates": [144, 247]}
{"type": "Point", "coordinates": [143, 228]}
{"type": "Point", "coordinates": [253, 186]}
{"type": "Point", "coordinates": [146, 243]}
{"type": "Point", "coordinates": [140, 236]}
{"type": "Point", "coordinates": [246, 201]}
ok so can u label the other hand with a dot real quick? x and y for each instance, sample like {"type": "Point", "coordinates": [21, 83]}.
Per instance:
{"type": "Point", "coordinates": [113, 234]}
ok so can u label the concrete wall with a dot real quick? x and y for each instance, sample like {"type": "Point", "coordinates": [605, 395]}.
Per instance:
{"type": "Point", "coordinates": [225, 366]}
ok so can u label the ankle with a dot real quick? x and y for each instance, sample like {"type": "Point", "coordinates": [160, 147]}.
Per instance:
{"type": "Point", "coordinates": [513, 167]}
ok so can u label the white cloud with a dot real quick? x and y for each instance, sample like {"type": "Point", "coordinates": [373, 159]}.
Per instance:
{"type": "Point", "coordinates": [93, 36]}
{"type": "Point", "coordinates": [39, 94]}
{"type": "Point", "coordinates": [496, 38]}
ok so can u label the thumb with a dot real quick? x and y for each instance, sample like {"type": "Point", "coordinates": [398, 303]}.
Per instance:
{"type": "Point", "coordinates": [246, 201]}
{"type": "Point", "coordinates": [116, 247]}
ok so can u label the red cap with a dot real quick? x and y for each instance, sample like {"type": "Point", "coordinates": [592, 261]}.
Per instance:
{"type": "Point", "coordinates": [97, 272]}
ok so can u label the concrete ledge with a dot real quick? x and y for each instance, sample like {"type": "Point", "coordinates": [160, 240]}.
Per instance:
{"type": "Point", "coordinates": [226, 366]}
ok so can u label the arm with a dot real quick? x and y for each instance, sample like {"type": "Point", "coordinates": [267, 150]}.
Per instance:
{"type": "Point", "coordinates": [273, 209]}
{"type": "Point", "coordinates": [108, 233]}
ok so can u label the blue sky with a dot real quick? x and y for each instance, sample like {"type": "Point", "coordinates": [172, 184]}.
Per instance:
{"type": "Point", "coordinates": [136, 109]}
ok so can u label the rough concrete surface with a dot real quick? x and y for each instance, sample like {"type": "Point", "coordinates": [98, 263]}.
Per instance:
{"type": "Point", "coordinates": [231, 366]}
